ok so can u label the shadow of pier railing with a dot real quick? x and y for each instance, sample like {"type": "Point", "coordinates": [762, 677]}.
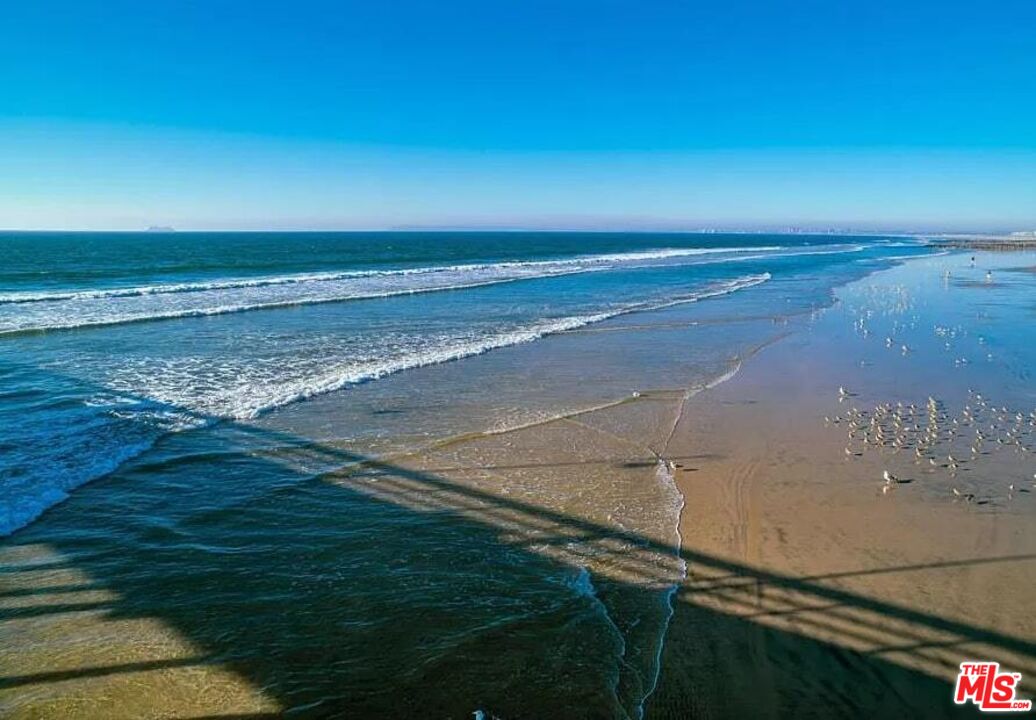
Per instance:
{"type": "Point", "coordinates": [333, 584]}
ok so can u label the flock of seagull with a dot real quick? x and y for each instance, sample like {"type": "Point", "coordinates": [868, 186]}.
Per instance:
{"type": "Point", "coordinates": [937, 440]}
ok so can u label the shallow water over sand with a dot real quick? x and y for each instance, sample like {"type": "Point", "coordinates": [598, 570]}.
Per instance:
{"type": "Point", "coordinates": [496, 533]}
{"type": "Point", "coordinates": [816, 587]}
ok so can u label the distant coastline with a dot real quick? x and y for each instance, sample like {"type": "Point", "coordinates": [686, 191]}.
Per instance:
{"type": "Point", "coordinates": [1014, 241]}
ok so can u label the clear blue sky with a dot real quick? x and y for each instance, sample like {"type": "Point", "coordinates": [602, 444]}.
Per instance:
{"type": "Point", "coordinates": [518, 113]}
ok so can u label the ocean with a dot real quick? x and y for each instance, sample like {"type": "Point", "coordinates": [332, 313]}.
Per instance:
{"type": "Point", "coordinates": [264, 442]}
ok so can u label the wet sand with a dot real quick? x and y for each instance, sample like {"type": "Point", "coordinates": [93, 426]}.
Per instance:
{"type": "Point", "coordinates": [814, 591]}
{"type": "Point", "coordinates": [538, 563]}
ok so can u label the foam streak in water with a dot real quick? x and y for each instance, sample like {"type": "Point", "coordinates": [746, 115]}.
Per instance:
{"type": "Point", "coordinates": [343, 377]}
{"type": "Point", "coordinates": [62, 310]}
{"type": "Point", "coordinates": [31, 499]}
{"type": "Point", "coordinates": [300, 278]}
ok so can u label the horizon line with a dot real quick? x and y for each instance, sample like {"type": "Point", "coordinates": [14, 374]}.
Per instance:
{"type": "Point", "coordinates": [704, 230]}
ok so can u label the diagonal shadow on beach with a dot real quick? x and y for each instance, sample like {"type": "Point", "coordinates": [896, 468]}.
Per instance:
{"type": "Point", "coordinates": [340, 585]}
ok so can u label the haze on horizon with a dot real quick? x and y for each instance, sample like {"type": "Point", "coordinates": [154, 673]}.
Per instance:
{"type": "Point", "coordinates": [576, 115]}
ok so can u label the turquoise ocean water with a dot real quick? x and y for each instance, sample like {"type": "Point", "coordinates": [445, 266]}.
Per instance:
{"type": "Point", "coordinates": [174, 408]}
{"type": "Point", "coordinates": [110, 341]}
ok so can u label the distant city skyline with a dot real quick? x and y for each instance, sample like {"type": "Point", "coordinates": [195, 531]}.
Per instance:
{"type": "Point", "coordinates": [576, 115]}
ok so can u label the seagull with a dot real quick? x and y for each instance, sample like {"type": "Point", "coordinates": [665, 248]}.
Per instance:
{"type": "Point", "coordinates": [967, 497]}
{"type": "Point", "coordinates": [890, 479]}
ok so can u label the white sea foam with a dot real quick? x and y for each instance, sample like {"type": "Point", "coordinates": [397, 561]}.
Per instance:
{"type": "Point", "coordinates": [829, 250]}
{"type": "Point", "coordinates": [583, 584]}
{"type": "Point", "coordinates": [299, 278]}
{"type": "Point", "coordinates": [664, 473]}
{"type": "Point", "coordinates": [19, 506]}
{"type": "Point", "coordinates": [667, 478]}
{"type": "Point", "coordinates": [201, 390]}
{"type": "Point", "coordinates": [897, 258]}
{"type": "Point", "coordinates": [252, 401]}
{"type": "Point", "coordinates": [917, 243]}
{"type": "Point", "coordinates": [55, 321]}
{"type": "Point", "coordinates": [62, 310]}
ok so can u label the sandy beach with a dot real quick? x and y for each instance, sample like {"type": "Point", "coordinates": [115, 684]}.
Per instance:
{"type": "Point", "coordinates": [517, 361]}
{"type": "Point", "coordinates": [798, 583]}
{"type": "Point", "coordinates": [814, 590]}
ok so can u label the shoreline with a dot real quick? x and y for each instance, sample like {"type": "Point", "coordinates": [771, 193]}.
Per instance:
{"type": "Point", "coordinates": [376, 371]}
{"type": "Point", "coordinates": [809, 590]}
{"type": "Point", "coordinates": [747, 578]}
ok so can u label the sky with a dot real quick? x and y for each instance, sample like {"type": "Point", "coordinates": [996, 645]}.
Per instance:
{"type": "Point", "coordinates": [518, 113]}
